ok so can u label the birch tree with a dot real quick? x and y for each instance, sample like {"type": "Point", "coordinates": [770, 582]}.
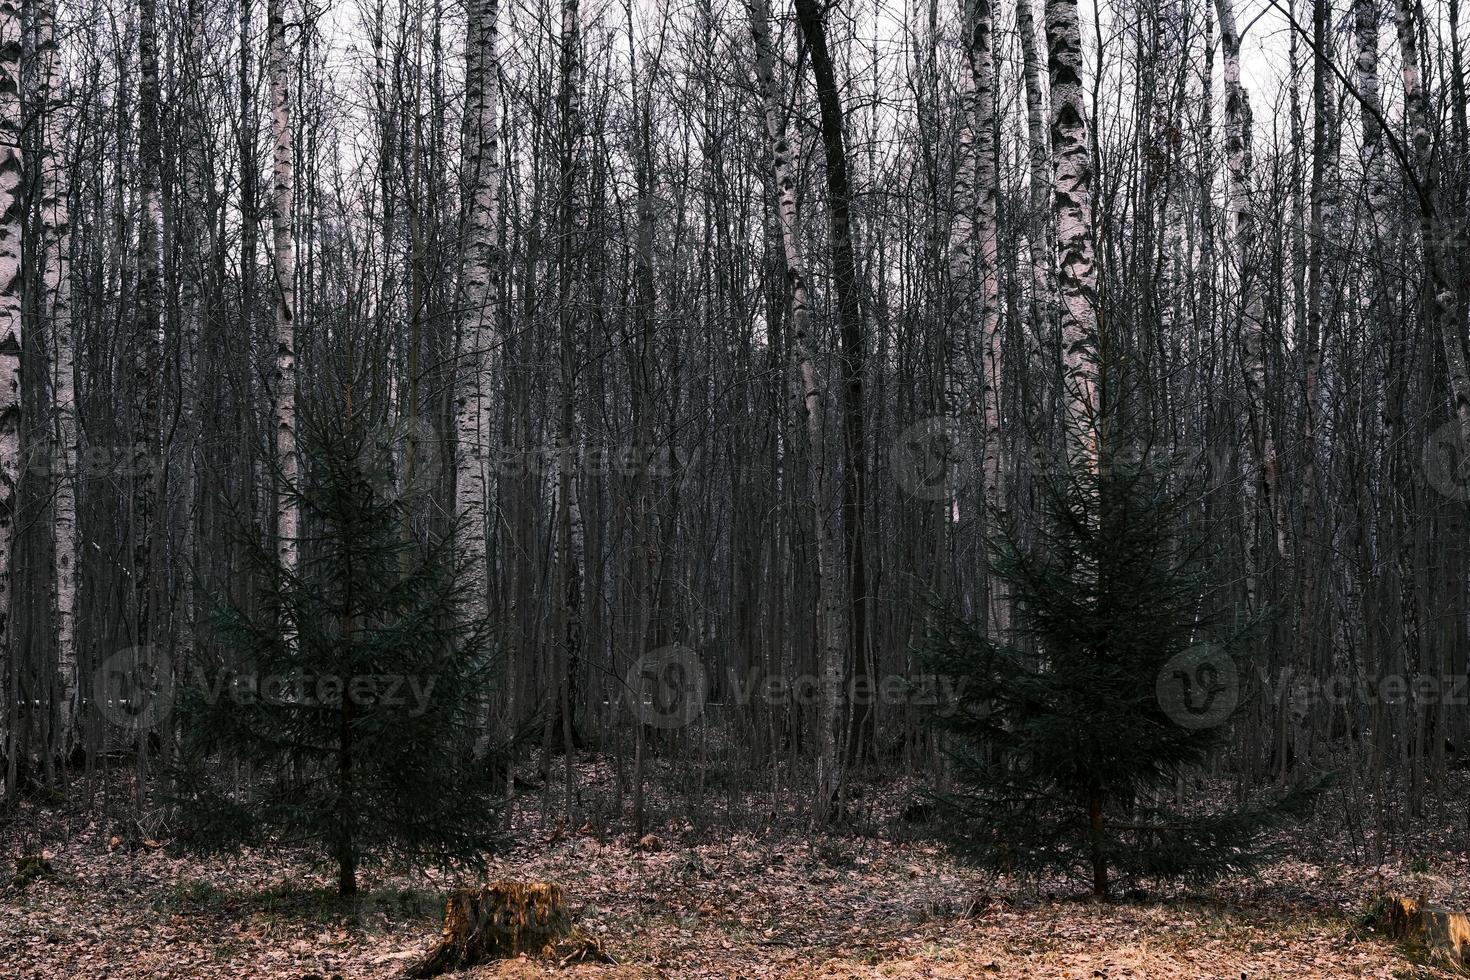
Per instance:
{"type": "Point", "coordinates": [810, 388]}
{"type": "Point", "coordinates": [11, 223]}
{"type": "Point", "coordinates": [1439, 291]}
{"type": "Point", "coordinates": [1242, 246]}
{"type": "Point", "coordinates": [283, 380]}
{"type": "Point", "coordinates": [196, 232]}
{"type": "Point", "coordinates": [1041, 229]}
{"type": "Point", "coordinates": [56, 279]}
{"type": "Point", "coordinates": [852, 362]}
{"type": "Point", "coordinates": [567, 612]}
{"type": "Point", "coordinates": [147, 341]}
{"type": "Point", "coordinates": [1077, 274]}
{"type": "Point", "coordinates": [974, 230]}
{"type": "Point", "coordinates": [987, 184]}
{"type": "Point", "coordinates": [479, 333]}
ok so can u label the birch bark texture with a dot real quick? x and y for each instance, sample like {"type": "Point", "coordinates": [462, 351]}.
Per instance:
{"type": "Point", "coordinates": [56, 284]}
{"type": "Point", "coordinates": [1076, 265]}
{"type": "Point", "coordinates": [147, 341]}
{"type": "Point", "coordinates": [811, 389]}
{"type": "Point", "coordinates": [479, 334]}
{"type": "Point", "coordinates": [987, 220]}
{"type": "Point", "coordinates": [811, 18]}
{"type": "Point", "coordinates": [1040, 229]}
{"type": "Point", "coordinates": [12, 219]}
{"type": "Point", "coordinates": [1436, 240]}
{"type": "Point", "coordinates": [283, 214]}
{"type": "Point", "coordinates": [1242, 234]}
{"type": "Point", "coordinates": [974, 232]}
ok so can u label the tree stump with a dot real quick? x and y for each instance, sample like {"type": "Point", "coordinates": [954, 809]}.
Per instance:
{"type": "Point", "coordinates": [1443, 933]}
{"type": "Point", "coordinates": [502, 920]}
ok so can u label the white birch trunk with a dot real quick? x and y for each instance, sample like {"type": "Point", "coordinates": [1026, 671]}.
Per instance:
{"type": "Point", "coordinates": [283, 381]}
{"type": "Point", "coordinates": [481, 284]}
{"type": "Point", "coordinates": [1077, 273]}
{"type": "Point", "coordinates": [147, 354]}
{"type": "Point", "coordinates": [1371, 154]}
{"type": "Point", "coordinates": [832, 621]}
{"type": "Point", "coordinates": [199, 244]}
{"type": "Point", "coordinates": [982, 67]}
{"type": "Point", "coordinates": [1441, 293]}
{"type": "Point", "coordinates": [964, 396]}
{"type": "Point", "coordinates": [974, 229]}
{"type": "Point", "coordinates": [1325, 266]}
{"type": "Point", "coordinates": [56, 278]}
{"type": "Point", "coordinates": [1041, 230]}
{"type": "Point", "coordinates": [1240, 230]}
{"type": "Point", "coordinates": [11, 220]}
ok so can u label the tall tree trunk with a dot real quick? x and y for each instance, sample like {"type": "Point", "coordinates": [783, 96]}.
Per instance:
{"type": "Point", "coordinates": [479, 332]}
{"type": "Point", "coordinates": [243, 366]}
{"type": "Point", "coordinates": [811, 389]}
{"type": "Point", "coordinates": [1372, 156]}
{"type": "Point", "coordinates": [56, 277]}
{"type": "Point", "coordinates": [283, 204]}
{"type": "Point", "coordinates": [1365, 29]}
{"type": "Point", "coordinates": [1440, 292]}
{"type": "Point", "coordinates": [1267, 509]}
{"type": "Point", "coordinates": [12, 219]}
{"type": "Point", "coordinates": [974, 228]}
{"type": "Point", "coordinates": [567, 610]}
{"type": "Point", "coordinates": [1077, 272]}
{"type": "Point", "coordinates": [147, 353]}
{"type": "Point", "coordinates": [987, 187]}
{"type": "Point", "coordinates": [1042, 231]}
{"type": "Point", "coordinates": [812, 393]}
{"type": "Point", "coordinates": [853, 364]}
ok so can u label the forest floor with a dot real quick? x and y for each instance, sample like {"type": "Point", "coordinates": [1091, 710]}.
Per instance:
{"type": "Point", "coordinates": [693, 905]}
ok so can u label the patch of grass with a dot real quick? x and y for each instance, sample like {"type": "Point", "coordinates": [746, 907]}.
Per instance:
{"type": "Point", "coordinates": [194, 894]}
{"type": "Point", "coordinates": [289, 902]}
{"type": "Point", "coordinates": [223, 950]}
{"type": "Point", "coordinates": [407, 903]}
{"type": "Point", "coordinates": [324, 907]}
{"type": "Point", "coordinates": [833, 854]}
{"type": "Point", "coordinates": [50, 797]}
{"type": "Point", "coordinates": [28, 869]}
{"type": "Point", "coordinates": [1375, 916]}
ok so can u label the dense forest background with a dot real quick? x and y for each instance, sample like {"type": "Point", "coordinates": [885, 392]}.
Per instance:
{"type": "Point", "coordinates": [723, 335]}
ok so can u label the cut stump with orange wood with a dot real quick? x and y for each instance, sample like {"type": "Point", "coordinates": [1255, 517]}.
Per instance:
{"type": "Point", "coordinates": [1443, 933]}
{"type": "Point", "coordinates": [502, 920]}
